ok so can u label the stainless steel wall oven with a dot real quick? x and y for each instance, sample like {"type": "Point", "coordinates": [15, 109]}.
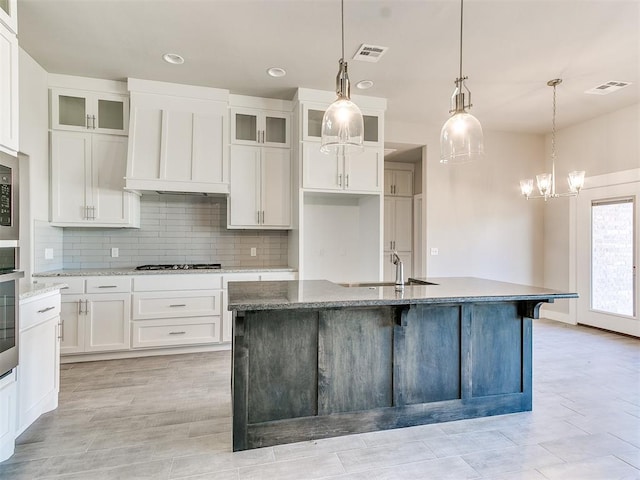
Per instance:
{"type": "Point", "coordinates": [9, 263]}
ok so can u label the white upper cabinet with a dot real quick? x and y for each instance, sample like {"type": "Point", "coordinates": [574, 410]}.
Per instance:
{"type": "Point", "coordinates": [260, 188]}
{"type": "Point", "coordinates": [398, 182]}
{"type": "Point", "coordinates": [352, 173]}
{"type": "Point", "coordinates": [260, 127]}
{"type": "Point", "coordinates": [87, 181]}
{"type": "Point", "coordinates": [8, 90]}
{"type": "Point", "coordinates": [96, 112]}
{"type": "Point", "coordinates": [9, 15]}
{"type": "Point", "coordinates": [312, 125]}
{"type": "Point", "coordinates": [177, 138]}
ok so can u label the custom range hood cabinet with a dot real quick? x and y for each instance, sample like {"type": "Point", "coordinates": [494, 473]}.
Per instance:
{"type": "Point", "coordinates": [178, 138]}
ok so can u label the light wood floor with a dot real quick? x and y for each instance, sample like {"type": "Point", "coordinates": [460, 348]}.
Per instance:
{"type": "Point", "coordinates": [169, 417]}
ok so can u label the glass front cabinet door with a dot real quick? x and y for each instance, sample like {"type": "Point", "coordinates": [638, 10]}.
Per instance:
{"type": "Point", "coordinates": [9, 14]}
{"type": "Point", "coordinates": [312, 128]}
{"type": "Point", "coordinates": [89, 111]}
{"type": "Point", "coordinates": [259, 127]}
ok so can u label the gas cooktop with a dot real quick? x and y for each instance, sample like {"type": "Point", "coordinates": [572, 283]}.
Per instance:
{"type": "Point", "coordinates": [183, 266]}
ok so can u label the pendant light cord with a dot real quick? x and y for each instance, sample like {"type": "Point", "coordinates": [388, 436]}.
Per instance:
{"type": "Point", "coordinates": [553, 128]}
{"type": "Point", "coordinates": [342, 17]}
{"type": "Point", "coordinates": [461, 14]}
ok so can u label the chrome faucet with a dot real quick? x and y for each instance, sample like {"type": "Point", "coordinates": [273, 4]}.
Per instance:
{"type": "Point", "coordinates": [395, 258]}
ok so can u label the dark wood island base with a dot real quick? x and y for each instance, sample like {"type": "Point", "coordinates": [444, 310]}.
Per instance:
{"type": "Point", "coordinates": [305, 369]}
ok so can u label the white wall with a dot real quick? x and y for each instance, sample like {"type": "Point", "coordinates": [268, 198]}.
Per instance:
{"type": "Point", "coordinates": [34, 170]}
{"type": "Point", "coordinates": [606, 144]}
{"type": "Point", "coordinates": [475, 214]}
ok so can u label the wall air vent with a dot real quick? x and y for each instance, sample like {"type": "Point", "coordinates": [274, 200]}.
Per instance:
{"type": "Point", "coordinates": [370, 53]}
{"type": "Point", "coordinates": [607, 88]}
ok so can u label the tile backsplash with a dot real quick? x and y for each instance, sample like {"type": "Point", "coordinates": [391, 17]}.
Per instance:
{"type": "Point", "coordinates": [173, 229]}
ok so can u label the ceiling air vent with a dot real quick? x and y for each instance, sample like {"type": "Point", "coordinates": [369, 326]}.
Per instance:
{"type": "Point", "coordinates": [370, 53]}
{"type": "Point", "coordinates": [607, 88]}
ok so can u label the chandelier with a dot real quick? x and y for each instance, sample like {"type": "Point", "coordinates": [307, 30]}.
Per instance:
{"type": "Point", "coordinates": [546, 182]}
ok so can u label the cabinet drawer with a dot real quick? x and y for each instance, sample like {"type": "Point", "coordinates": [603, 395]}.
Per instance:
{"type": "Point", "coordinates": [154, 283]}
{"type": "Point", "coordinates": [74, 285]}
{"type": "Point", "coordinates": [176, 304]}
{"type": "Point", "coordinates": [175, 331]}
{"type": "Point", "coordinates": [108, 285]}
{"type": "Point", "coordinates": [278, 276]}
{"type": "Point", "coordinates": [39, 310]}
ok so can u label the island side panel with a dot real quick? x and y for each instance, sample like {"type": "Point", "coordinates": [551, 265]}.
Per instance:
{"type": "Point", "coordinates": [427, 355]}
{"type": "Point", "coordinates": [282, 364]}
{"type": "Point", "coordinates": [497, 349]}
{"type": "Point", "coordinates": [355, 359]}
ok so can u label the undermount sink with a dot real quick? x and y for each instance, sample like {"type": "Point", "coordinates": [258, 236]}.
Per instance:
{"type": "Point", "coordinates": [385, 284]}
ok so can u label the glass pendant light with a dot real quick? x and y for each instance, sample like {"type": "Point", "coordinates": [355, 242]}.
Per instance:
{"type": "Point", "coordinates": [461, 138]}
{"type": "Point", "coordinates": [342, 123]}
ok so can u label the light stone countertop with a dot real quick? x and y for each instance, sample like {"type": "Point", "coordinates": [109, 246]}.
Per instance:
{"type": "Point", "coordinates": [36, 289]}
{"type": "Point", "coordinates": [98, 272]}
{"type": "Point", "coordinates": [276, 295]}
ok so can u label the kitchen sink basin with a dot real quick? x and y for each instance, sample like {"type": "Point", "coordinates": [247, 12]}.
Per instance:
{"type": "Point", "coordinates": [385, 284]}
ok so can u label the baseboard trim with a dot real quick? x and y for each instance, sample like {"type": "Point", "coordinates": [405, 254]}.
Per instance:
{"type": "Point", "coordinates": [92, 357]}
{"type": "Point", "coordinates": [557, 316]}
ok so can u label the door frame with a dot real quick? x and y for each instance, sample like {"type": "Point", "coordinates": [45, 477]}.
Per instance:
{"type": "Point", "coordinates": [598, 181]}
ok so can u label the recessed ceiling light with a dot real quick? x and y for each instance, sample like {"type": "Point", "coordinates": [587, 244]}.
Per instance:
{"type": "Point", "coordinates": [364, 84]}
{"type": "Point", "coordinates": [276, 72]}
{"type": "Point", "coordinates": [173, 58]}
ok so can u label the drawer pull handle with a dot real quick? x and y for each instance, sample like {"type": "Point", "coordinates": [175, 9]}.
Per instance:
{"type": "Point", "coordinates": [46, 309]}
{"type": "Point", "coordinates": [178, 305]}
{"type": "Point", "coordinates": [177, 333]}
{"type": "Point", "coordinates": [64, 288]}
{"type": "Point", "coordinates": [107, 286]}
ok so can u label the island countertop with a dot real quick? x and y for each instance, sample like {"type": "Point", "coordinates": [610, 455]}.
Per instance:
{"type": "Point", "coordinates": [276, 295]}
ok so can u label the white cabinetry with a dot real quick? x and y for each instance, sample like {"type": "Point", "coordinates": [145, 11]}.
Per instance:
{"type": "Point", "coordinates": [251, 126]}
{"type": "Point", "coordinates": [8, 415]}
{"type": "Point", "coordinates": [260, 188]}
{"type": "Point", "coordinates": [96, 322]}
{"type": "Point", "coordinates": [178, 138]}
{"type": "Point", "coordinates": [8, 86]}
{"type": "Point", "coordinates": [312, 115]}
{"type": "Point", "coordinates": [81, 111]}
{"type": "Point", "coordinates": [39, 358]}
{"type": "Point", "coordinates": [176, 310]}
{"type": "Point", "coordinates": [398, 182]}
{"type": "Point", "coordinates": [398, 233]}
{"type": "Point", "coordinates": [9, 14]}
{"type": "Point", "coordinates": [87, 185]}
{"type": "Point", "coordinates": [352, 173]}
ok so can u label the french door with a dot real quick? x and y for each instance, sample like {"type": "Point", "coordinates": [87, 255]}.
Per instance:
{"type": "Point", "coordinates": [608, 226]}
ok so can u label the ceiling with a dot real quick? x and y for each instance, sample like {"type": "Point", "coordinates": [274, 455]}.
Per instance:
{"type": "Point", "coordinates": [511, 49]}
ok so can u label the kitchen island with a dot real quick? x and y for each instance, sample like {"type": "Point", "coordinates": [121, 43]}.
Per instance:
{"type": "Point", "coordinates": [315, 359]}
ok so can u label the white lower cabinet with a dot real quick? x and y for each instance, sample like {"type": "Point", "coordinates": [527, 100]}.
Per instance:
{"type": "Point", "coordinates": [96, 322]}
{"type": "Point", "coordinates": [39, 358]}
{"type": "Point", "coordinates": [8, 414]}
{"type": "Point", "coordinates": [167, 312]}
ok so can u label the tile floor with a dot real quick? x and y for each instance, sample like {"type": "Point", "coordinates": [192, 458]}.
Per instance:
{"type": "Point", "coordinates": [169, 417]}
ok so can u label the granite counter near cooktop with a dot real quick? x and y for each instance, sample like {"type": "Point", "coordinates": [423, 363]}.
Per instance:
{"type": "Point", "coordinates": [98, 272]}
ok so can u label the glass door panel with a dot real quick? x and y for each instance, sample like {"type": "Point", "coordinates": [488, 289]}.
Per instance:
{"type": "Point", "coordinates": [370, 128]}
{"type": "Point", "coordinates": [612, 258]}
{"type": "Point", "coordinates": [72, 111]}
{"type": "Point", "coordinates": [314, 123]}
{"type": "Point", "coordinates": [276, 130]}
{"type": "Point", "coordinates": [246, 127]}
{"type": "Point", "coordinates": [110, 114]}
